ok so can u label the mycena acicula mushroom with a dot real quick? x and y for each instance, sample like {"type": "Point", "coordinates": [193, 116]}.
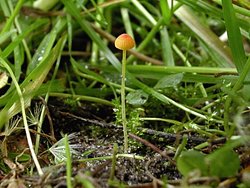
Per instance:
{"type": "Point", "coordinates": [124, 42]}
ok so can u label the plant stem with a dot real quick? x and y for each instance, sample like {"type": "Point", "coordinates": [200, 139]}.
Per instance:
{"type": "Point", "coordinates": [112, 172]}
{"type": "Point", "coordinates": [68, 162]}
{"type": "Point", "coordinates": [181, 147]}
{"type": "Point", "coordinates": [124, 121]}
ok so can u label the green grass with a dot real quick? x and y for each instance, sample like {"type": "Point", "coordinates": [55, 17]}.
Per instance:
{"type": "Point", "coordinates": [193, 81]}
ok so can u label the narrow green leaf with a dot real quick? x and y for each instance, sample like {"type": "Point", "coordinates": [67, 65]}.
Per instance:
{"type": "Point", "coordinates": [70, 32]}
{"type": "Point", "coordinates": [204, 74]}
{"type": "Point", "coordinates": [167, 53]}
{"type": "Point", "coordinates": [42, 51]}
{"type": "Point", "coordinates": [46, 45]}
{"type": "Point", "coordinates": [235, 42]}
{"type": "Point", "coordinates": [6, 35]}
{"type": "Point", "coordinates": [166, 11]}
{"type": "Point", "coordinates": [68, 162]}
{"type": "Point", "coordinates": [234, 35]}
{"type": "Point", "coordinates": [10, 20]}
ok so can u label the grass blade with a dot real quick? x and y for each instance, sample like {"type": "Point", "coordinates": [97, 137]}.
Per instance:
{"type": "Point", "coordinates": [234, 36]}
{"type": "Point", "coordinates": [46, 45]}
{"type": "Point", "coordinates": [68, 162]}
{"type": "Point", "coordinates": [9, 22]}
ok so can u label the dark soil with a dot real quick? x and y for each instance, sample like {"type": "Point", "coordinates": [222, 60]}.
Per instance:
{"type": "Point", "coordinates": [89, 129]}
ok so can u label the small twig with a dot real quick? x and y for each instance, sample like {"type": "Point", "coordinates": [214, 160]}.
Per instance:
{"type": "Point", "coordinates": [152, 146]}
{"type": "Point", "coordinates": [147, 143]}
{"type": "Point", "coordinates": [95, 122]}
{"type": "Point", "coordinates": [52, 132]}
{"type": "Point", "coordinates": [76, 53]}
{"type": "Point", "coordinates": [172, 137]}
{"type": "Point", "coordinates": [44, 135]}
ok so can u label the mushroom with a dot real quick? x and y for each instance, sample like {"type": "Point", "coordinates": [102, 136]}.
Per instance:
{"type": "Point", "coordinates": [124, 42]}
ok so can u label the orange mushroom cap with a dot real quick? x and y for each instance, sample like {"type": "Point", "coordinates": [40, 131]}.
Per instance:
{"type": "Point", "coordinates": [124, 42]}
